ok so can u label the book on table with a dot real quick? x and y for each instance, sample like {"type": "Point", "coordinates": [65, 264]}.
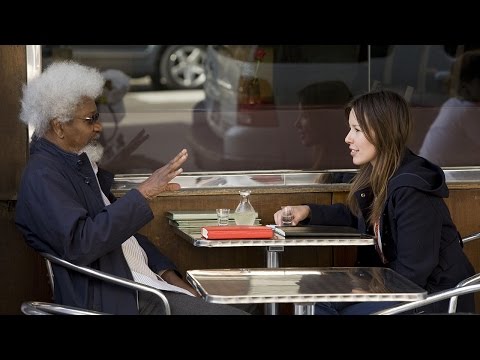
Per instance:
{"type": "Point", "coordinates": [199, 223]}
{"type": "Point", "coordinates": [189, 215]}
{"type": "Point", "coordinates": [230, 232]}
{"type": "Point", "coordinates": [193, 215]}
{"type": "Point", "coordinates": [320, 231]}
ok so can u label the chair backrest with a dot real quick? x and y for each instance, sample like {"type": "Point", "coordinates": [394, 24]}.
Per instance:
{"type": "Point", "coordinates": [452, 307]}
{"type": "Point", "coordinates": [439, 296]}
{"type": "Point", "coordinates": [44, 308]}
{"type": "Point", "coordinates": [51, 276]}
{"type": "Point", "coordinates": [103, 276]}
{"type": "Point", "coordinates": [451, 294]}
{"type": "Point", "coordinates": [475, 236]}
{"type": "Point", "coordinates": [474, 279]}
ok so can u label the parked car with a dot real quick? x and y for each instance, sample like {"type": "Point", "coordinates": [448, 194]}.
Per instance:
{"type": "Point", "coordinates": [169, 66]}
{"type": "Point", "coordinates": [238, 127]}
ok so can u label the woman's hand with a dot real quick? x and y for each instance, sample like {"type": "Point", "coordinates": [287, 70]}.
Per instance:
{"type": "Point", "coordinates": [158, 182]}
{"type": "Point", "coordinates": [299, 212]}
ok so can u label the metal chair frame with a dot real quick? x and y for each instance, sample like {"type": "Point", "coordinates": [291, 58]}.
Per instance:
{"type": "Point", "coordinates": [49, 258]}
{"type": "Point", "coordinates": [452, 307]}
{"type": "Point", "coordinates": [468, 238]}
{"type": "Point", "coordinates": [441, 295]}
{"type": "Point", "coordinates": [44, 308]}
{"type": "Point", "coordinates": [463, 287]}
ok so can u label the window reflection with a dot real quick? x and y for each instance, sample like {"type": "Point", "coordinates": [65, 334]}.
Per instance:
{"type": "Point", "coordinates": [321, 123]}
{"type": "Point", "coordinates": [453, 137]}
{"type": "Point", "coordinates": [236, 110]}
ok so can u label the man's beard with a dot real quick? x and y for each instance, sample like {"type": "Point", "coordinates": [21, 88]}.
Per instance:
{"type": "Point", "coordinates": [94, 150]}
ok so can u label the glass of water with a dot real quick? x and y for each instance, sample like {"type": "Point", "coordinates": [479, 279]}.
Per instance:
{"type": "Point", "coordinates": [222, 216]}
{"type": "Point", "coordinates": [287, 216]}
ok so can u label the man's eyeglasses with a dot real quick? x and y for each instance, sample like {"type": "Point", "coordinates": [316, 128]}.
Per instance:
{"type": "Point", "coordinates": [92, 119]}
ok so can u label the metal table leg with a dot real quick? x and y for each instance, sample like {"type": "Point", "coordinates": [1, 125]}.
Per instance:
{"type": "Point", "coordinates": [272, 262]}
{"type": "Point", "coordinates": [304, 309]}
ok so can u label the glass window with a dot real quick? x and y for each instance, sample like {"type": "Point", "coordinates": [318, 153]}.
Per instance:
{"type": "Point", "coordinates": [272, 107]}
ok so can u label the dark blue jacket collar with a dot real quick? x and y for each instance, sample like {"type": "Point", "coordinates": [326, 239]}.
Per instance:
{"type": "Point", "coordinates": [80, 162]}
{"type": "Point", "coordinates": [41, 144]}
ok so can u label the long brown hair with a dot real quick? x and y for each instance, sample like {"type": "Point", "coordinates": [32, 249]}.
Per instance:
{"type": "Point", "coordinates": [386, 121]}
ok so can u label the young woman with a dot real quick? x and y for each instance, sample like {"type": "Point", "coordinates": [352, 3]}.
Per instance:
{"type": "Point", "coordinates": [398, 197]}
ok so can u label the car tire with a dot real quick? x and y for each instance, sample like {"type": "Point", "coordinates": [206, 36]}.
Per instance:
{"type": "Point", "coordinates": [181, 67]}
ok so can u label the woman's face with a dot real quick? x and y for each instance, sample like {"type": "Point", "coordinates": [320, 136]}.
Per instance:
{"type": "Point", "coordinates": [306, 127]}
{"type": "Point", "coordinates": [361, 150]}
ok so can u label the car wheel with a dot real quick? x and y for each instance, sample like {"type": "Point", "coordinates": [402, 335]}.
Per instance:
{"type": "Point", "coordinates": [181, 67]}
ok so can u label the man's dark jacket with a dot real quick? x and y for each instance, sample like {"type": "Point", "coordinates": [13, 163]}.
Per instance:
{"type": "Point", "coordinates": [60, 211]}
{"type": "Point", "coordinates": [419, 238]}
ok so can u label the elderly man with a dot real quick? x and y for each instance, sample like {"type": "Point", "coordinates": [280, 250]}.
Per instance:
{"type": "Point", "coordinates": [65, 206]}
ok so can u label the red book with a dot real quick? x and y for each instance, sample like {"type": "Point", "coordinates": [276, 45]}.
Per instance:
{"type": "Point", "coordinates": [236, 232]}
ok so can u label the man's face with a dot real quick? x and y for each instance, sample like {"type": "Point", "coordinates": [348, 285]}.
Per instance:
{"type": "Point", "coordinates": [82, 130]}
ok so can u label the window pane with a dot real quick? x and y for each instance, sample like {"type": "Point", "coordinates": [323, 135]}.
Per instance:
{"type": "Point", "coordinates": [267, 107]}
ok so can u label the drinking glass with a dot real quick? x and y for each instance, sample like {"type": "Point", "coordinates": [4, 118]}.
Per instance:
{"type": "Point", "coordinates": [222, 216]}
{"type": "Point", "coordinates": [287, 216]}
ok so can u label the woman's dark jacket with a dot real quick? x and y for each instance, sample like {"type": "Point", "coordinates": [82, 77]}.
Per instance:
{"type": "Point", "coordinates": [60, 211]}
{"type": "Point", "coordinates": [419, 238]}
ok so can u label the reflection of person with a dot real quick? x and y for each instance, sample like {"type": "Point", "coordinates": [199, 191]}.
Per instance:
{"type": "Point", "coordinates": [111, 102]}
{"type": "Point", "coordinates": [320, 120]}
{"type": "Point", "coordinates": [320, 107]}
{"type": "Point", "coordinates": [65, 206]}
{"type": "Point", "coordinates": [452, 139]}
{"type": "Point", "coordinates": [111, 107]}
{"type": "Point", "coordinates": [118, 155]}
{"type": "Point", "coordinates": [398, 197]}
